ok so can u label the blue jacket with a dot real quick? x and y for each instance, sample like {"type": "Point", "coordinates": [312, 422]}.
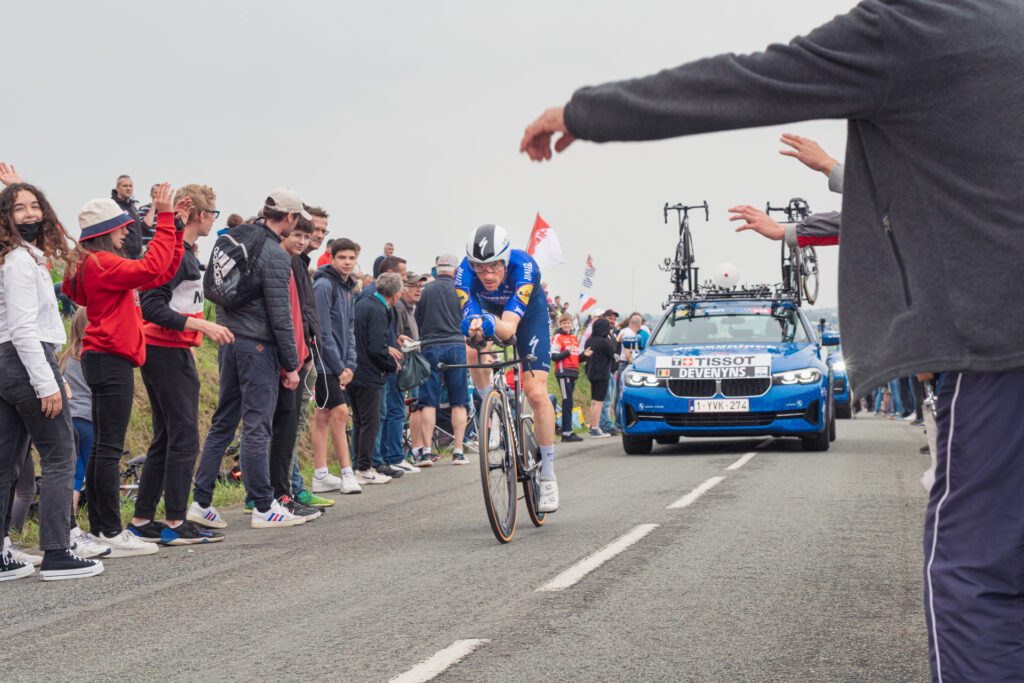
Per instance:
{"type": "Point", "coordinates": [336, 306]}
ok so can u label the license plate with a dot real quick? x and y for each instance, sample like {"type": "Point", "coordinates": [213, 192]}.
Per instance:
{"type": "Point", "coordinates": [720, 405]}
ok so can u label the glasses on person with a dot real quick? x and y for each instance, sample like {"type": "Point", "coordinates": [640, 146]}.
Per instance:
{"type": "Point", "coordinates": [495, 267]}
{"type": "Point", "coordinates": [215, 213]}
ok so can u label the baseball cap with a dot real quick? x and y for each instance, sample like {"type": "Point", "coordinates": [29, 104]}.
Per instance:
{"type": "Point", "coordinates": [412, 278]}
{"type": "Point", "coordinates": [100, 216]}
{"type": "Point", "coordinates": [287, 200]}
{"type": "Point", "coordinates": [610, 311]}
{"type": "Point", "coordinates": [447, 260]}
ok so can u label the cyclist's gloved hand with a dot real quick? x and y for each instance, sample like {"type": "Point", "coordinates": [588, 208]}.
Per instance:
{"type": "Point", "coordinates": [486, 324]}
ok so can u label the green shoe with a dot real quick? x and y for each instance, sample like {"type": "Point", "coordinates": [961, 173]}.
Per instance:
{"type": "Point", "coordinates": [248, 507]}
{"type": "Point", "coordinates": [307, 498]}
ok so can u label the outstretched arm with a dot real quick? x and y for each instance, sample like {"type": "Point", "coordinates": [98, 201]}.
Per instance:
{"type": "Point", "coordinates": [758, 221]}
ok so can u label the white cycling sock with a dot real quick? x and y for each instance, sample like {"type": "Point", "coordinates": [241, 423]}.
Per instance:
{"type": "Point", "coordinates": [547, 462]}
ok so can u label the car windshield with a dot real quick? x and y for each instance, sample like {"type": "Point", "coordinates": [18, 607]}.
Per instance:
{"type": "Point", "coordinates": [729, 324]}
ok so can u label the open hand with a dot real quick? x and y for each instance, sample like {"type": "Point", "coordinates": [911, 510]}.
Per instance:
{"type": "Point", "coordinates": [8, 176]}
{"type": "Point", "coordinates": [537, 137]}
{"type": "Point", "coordinates": [183, 209]}
{"type": "Point", "coordinates": [808, 152]}
{"type": "Point", "coordinates": [163, 198]}
{"type": "Point", "coordinates": [758, 221]}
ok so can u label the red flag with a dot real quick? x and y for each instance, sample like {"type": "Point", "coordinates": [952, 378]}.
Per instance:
{"type": "Point", "coordinates": [544, 247]}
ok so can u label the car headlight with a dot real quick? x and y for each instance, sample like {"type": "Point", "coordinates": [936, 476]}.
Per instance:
{"type": "Point", "coordinates": [839, 366]}
{"type": "Point", "coordinates": [635, 378]}
{"type": "Point", "coordinates": [803, 376]}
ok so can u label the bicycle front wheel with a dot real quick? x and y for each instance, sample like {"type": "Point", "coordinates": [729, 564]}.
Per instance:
{"type": "Point", "coordinates": [497, 467]}
{"type": "Point", "coordinates": [531, 473]}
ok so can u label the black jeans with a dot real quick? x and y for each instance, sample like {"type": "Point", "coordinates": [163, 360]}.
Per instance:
{"type": "Point", "coordinates": [172, 384]}
{"type": "Point", "coordinates": [566, 385]}
{"type": "Point", "coordinates": [112, 381]}
{"type": "Point", "coordinates": [22, 419]}
{"type": "Point", "coordinates": [365, 422]}
{"type": "Point", "coordinates": [285, 430]}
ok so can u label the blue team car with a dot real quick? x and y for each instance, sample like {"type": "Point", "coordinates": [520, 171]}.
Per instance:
{"type": "Point", "coordinates": [730, 365]}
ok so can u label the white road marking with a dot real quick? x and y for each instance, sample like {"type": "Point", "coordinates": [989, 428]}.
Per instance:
{"type": "Point", "coordinates": [742, 461]}
{"type": "Point", "coordinates": [437, 664]}
{"type": "Point", "coordinates": [696, 493]}
{"type": "Point", "coordinates": [575, 573]}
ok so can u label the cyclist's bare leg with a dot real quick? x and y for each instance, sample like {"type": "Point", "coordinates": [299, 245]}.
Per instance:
{"type": "Point", "coordinates": [481, 376]}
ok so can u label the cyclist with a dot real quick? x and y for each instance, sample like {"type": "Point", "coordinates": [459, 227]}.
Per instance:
{"type": "Point", "coordinates": [500, 293]}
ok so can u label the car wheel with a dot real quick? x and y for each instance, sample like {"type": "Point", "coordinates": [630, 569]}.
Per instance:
{"type": "Point", "coordinates": [666, 440]}
{"type": "Point", "coordinates": [816, 442]}
{"type": "Point", "coordinates": [637, 445]}
{"type": "Point", "coordinates": [832, 421]}
{"type": "Point", "coordinates": [844, 411]}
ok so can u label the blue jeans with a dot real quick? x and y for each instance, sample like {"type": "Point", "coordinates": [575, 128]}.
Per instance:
{"type": "Point", "coordinates": [387, 449]}
{"type": "Point", "coordinates": [248, 391]}
{"type": "Point", "coordinates": [606, 409]}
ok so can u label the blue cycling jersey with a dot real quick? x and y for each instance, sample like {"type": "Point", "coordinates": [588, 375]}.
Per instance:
{"type": "Point", "coordinates": [520, 293]}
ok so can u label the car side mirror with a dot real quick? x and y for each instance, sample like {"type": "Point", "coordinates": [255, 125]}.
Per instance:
{"type": "Point", "coordinates": [829, 338]}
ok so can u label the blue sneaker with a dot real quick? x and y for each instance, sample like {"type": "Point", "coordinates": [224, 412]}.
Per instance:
{"type": "Point", "coordinates": [187, 533]}
{"type": "Point", "coordinates": [150, 532]}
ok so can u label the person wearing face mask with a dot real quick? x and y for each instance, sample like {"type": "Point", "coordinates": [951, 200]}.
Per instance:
{"type": "Point", "coordinates": [33, 396]}
{"type": "Point", "coordinates": [107, 284]}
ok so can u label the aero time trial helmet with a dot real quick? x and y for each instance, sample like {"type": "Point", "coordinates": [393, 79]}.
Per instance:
{"type": "Point", "coordinates": [487, 244]}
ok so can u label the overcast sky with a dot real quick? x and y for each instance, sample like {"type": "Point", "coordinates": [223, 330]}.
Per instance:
{"type": "Point", "coordinates": [403, 120]}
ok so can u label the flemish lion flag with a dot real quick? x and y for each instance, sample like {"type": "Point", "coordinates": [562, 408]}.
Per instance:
{"type": "Point", "coordinates": [544, 247]}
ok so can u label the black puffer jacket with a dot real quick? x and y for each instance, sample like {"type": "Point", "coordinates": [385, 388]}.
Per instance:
{"type": "Point", "coordinates": [373, 323]}
{"type": "Point", "coordinates": [269, 317]}
{"type": "Point", "coordinates": [602, 361]}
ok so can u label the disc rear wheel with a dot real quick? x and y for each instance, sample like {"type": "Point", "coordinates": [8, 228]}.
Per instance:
{"type": "Point", "coordinates": [498, 473]}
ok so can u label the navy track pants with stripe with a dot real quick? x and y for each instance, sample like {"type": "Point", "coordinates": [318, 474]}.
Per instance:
{"type": "Point", "coordinates": [974, 531]}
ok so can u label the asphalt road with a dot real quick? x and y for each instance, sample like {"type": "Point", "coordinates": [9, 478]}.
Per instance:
{"type": "Point", "coordinates": [793, 566]}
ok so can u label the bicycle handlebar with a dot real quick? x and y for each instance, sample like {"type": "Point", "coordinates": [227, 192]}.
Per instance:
{"type": "Point", "coordinates": [685, 210]}
{"type": "Point", "coordinates": [441, 367]}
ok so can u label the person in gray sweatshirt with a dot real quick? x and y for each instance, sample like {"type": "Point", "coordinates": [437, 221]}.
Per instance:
{"type": "Point", "coordinates": [933, 171]}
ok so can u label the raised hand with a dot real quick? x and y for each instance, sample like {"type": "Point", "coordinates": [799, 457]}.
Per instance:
{"type": "Point", "coordinates": [758, 221]}
{"type": "Point", "coordinates": [163, 198]}
{"type": "Point", "coordinates": [537, 137]}
{"type": "Point", "coordinates": [183, 209]}
{"type": "Point", "coordinates": [808, 152]}
{"type": "Point", "coordinates": [8, 176]}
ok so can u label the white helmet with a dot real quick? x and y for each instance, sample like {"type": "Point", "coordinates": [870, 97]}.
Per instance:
{"type": "Point", "coordinates": [487, 244]}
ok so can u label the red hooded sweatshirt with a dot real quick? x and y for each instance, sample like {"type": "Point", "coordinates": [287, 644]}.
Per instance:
{"type": "Point", "coordinates": [107, 285]}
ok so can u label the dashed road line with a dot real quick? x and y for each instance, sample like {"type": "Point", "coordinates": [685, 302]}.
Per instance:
{"type": "Point", "coordinates": [440, 662]}
{"type": "Point", "coordinates": [693, 495]}
{"type": "Point", "coordinates": [575, 573]}
{"type": "Point", "coordinates": [742, 461]}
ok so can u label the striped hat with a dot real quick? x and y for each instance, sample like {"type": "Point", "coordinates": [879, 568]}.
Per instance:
{"type": "Point", "coordinates": [101, 216]}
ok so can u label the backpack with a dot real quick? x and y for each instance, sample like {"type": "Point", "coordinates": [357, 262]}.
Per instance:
{"type": "Point", "coordinates": [231, 279]}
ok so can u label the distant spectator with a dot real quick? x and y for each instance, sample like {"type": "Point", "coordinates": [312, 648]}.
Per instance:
{"type": "Point", "coordinates": [405, 309]}
{"type": "Point", "coordinates": [376, 360]}
{"type": "Point", "coordinates": [249, 375]}
{"type": "Point", "coordinates": [632, 337]}
{"type": "Point", "coordinates": [600, 358]}
{"type": "Point", "coordinates": [565, 352]}
{"type": "Point", "coordinates": [389, 250]}
{"type": "Point", "coordinates": [122, 194]}
{"type": "Point", "coordinates": [234, 219]}
{"type": "Point", "coordinates": [148, 213]}
{"type": "Point", "coordinates": [439, 316]}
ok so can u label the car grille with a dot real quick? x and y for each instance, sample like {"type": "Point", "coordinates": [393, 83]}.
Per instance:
{"type": "Point", "coordinates": [705, 388]}
{"type": "Point", "coordinates": [840, 385]}
{"type": "Point", "coordinates": [746, 387]}
{"type": "Point", "coordinates": [686, 388]}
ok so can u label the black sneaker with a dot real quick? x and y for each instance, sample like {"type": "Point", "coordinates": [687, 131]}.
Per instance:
{"type": "Point", "coordinates": [150, 532]}
{"type": "Point", "coordinates": [188, 533]}
{"type": "Point", "coordinates": [389, 471]}
{"type": "Point", "coordinates": [571, 437]}
{"type": "Point", "coordinates": [298, 509]}
{"type": "Point", "coordinates": [10, 570]}
{"type": "Point", "coordinates": [63, 564]}
{"type": "Point", "coordinates": [613, 432]}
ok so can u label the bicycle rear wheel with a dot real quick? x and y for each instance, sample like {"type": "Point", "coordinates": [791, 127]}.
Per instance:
{"type": "Point", "coordinates": [531, 473]}
{"type": "Point", "coordinates": [497, 467]}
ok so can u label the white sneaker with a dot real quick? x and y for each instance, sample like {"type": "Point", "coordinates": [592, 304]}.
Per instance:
{"type": "Point", "coordinates": [328, 483]}
{"type": "Point", "coordinates": [548, 496]}
{"type": "Point", "coordinates": [276, 516]}
{"type": "Point", "coordinates": [19, 555]}
{"type": "Point", "coordinates": [349, 483]}
{"type": "Point", "coordinates": [371, 476]}
{"type": "Point", "coordinates": [127, 544]}
{"type": "Point", "coordinates": [405, 466]}
{"type": "Point", "coordinates": [205, 517]}
{"type": "Point", "coordinates": [85, 545]}
{"type": "Point", "coordinates": [9, 569]}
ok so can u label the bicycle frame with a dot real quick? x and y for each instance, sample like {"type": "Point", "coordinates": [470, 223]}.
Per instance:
{"type": "Point", "coordinates": [683, 273]}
